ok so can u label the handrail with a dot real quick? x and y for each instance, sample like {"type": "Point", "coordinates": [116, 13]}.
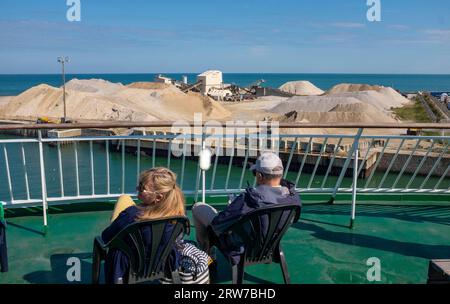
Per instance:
{"type": "Point", "coordinates": [168, 124]}
{"type": "Point", "coordinates": [309, 157]}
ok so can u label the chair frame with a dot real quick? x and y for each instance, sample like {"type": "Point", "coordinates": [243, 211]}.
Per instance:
{"type": "Point", "coordinates": [138, 272]}
{"type": "Point", "coordinates": [271, 250]}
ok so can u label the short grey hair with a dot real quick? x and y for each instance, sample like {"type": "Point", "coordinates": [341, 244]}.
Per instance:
{"type": "Point", "coordinates": [266, 176]}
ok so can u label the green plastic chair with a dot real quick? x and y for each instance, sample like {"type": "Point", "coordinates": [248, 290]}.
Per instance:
{"type": "Point", "coordinates": [260, 247]}
{"type": "Point", "coordinates": [145, 265]}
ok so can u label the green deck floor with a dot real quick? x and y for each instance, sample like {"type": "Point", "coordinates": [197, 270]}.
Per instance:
{"type": "Point", "coordinates": [319, 249]}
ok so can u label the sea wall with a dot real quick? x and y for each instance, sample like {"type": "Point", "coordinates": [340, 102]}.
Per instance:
{"type": "Point", "coordinates": [414, 163]}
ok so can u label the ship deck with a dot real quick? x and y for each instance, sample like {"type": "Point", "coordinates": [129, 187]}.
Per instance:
{"type": "Point", "coordinates": [403, 233]}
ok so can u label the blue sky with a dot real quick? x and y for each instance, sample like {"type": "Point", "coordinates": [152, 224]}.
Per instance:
{"type": "Point", "coordinates": [283, 36]}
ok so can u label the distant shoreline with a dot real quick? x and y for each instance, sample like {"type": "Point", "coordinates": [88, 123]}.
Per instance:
{"type": "Point", "coordinates": [234, 73]}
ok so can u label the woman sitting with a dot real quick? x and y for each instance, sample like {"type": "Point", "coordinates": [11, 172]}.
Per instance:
{"type": "Point", "coordinates": [160, 197]}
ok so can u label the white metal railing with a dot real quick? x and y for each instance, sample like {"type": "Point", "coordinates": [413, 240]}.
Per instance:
{"type": "Point", "coordinates": [389, 163]}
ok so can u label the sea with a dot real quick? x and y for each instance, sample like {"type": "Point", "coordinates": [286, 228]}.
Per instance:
{"type": "Point", "coordinates": [15, 84]}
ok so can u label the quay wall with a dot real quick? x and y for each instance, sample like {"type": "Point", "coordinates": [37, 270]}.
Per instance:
{"type": "Point", "coordinates": [414, 163]}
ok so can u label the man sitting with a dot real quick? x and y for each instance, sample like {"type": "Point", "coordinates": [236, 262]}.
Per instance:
{"type": "Point", "coordinates": [270, 189]}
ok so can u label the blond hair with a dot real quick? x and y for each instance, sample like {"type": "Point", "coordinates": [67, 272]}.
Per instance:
{"type": "Point", "coordinates": [164, 182]}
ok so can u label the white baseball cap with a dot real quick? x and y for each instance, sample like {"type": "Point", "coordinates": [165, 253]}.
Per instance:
{"type": "Point", "coordinates": [268, 163]}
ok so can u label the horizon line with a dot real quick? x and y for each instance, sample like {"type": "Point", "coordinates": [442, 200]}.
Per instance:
{"type": "Point", "coordinates": [249, 73]}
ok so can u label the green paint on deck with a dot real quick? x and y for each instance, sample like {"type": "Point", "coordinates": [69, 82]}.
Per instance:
{"type": "Point", "coordinates": [319, 249]}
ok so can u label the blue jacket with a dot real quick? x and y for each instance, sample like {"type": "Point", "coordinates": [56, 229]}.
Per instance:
{"type": "Point", "coordinates": [253, 198]}
{"type": "Point", "coordinates": [117, 263]}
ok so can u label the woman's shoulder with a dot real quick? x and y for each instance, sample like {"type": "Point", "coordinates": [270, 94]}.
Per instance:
{"type": "Point", "coordinates": [128, 215]}
{"type": "Point", "coordinates": [131, 211]}
{"type": "Point", "coordinates": [125, 218]}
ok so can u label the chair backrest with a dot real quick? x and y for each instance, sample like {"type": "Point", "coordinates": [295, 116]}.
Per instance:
{"type": "Point", "coordinates": [147, 261]}
{"type": "Point", "coordinates": [261, 230]}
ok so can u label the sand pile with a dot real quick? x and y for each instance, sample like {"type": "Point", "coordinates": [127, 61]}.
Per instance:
{"type": "Point", "coordinates": [383, 101]}
{"type": "Point", "coordinates": [149, 85]}
{"type": "Point", "coordinates": [44, 100]}
{"type": "Point", "coordinates": [390, 95]}
{"type": "Point", "coordinates": [312, 104]}
{"type": "Point", "coordinates": [354, 107]}
{"type": "Point", "coordinates": [102, 100]}
{"type": "Point", "coordinates": [4, 100]}
{"type": "Point", "coordinates": [339, 117]}
{"type": "Point", "coordinates": [344, 103]}
{"type": "Point", "coordinates": [99, 86]}
{"type": "Point", "coordinates": [351, 87]}
{"type": "Point", "coordinates": [303, 88]}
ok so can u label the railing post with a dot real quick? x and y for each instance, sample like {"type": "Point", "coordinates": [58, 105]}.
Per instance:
{"type": "Point", "coordinates": [200, 173]}
{"type": "Point", "coordinates": [77, 173]}
{"type": "Point", "coordinates": [108, 183]}
{"type": "Point", "coordinates": [138, 161]}
{"type": "Point", "coordinates": [24, 163]}
{"type": "Point", "coordinates": [91, 160]}
{"type": "Point", "coordinates": [346, 164]}
{"type": "Point", "coordinates": [61, 177]}
{"type": "Point", "coordinates": [43, 181]}
{"type": "Point", "coordinates": [354, 187]}
{"type": "Point", "coordinates": [123, 167]}
{"type": "Point", "coordinates": [8, 174]}
{"type": "Point", "coordinates": [203, 177]}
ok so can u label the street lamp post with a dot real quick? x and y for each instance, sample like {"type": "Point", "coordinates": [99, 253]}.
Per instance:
{"type": "Point", "coordinates": [63, 61]}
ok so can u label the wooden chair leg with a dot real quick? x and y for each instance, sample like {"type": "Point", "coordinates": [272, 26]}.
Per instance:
{"type": "Point", "coordinates": [284, 269]}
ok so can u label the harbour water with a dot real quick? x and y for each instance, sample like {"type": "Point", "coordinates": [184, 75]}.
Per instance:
{"type": "Point", "coordinates": [16, 84]}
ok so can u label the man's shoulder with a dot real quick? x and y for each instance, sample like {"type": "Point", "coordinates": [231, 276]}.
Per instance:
{"type": "Point", "coordinates": [238, 201]}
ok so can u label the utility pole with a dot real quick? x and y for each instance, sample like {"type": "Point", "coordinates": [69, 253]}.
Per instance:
{"type": "Point", "coordinates": [63, 61]}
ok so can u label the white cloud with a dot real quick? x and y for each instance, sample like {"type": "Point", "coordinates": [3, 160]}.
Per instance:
{"type": "Point", "coordinates": [442, 35]}
{"type": "Point", "coordinates": [341, 38]}
{"type": "Point", "coordinates": [258, 50]}
{"type": "Point", "coordinates": [437, 32]}
{"type": "Point", "coordinates": [348, 25]}
{"type": "Point", "coordinates": [399, 27]}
